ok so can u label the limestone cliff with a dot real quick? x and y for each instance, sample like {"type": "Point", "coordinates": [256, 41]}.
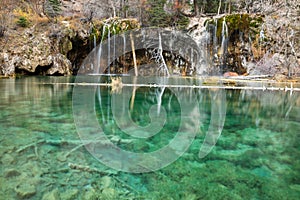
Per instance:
{"type": "Point", "coordinates": [52, 48]}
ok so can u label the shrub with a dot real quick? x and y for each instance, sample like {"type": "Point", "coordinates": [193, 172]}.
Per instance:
{"type": "Point", "coordinates": [157, 16]}
{"type": "Point", "coordinates": [52, 8]}
{"type": "Point", "coordinates": [23, 21]}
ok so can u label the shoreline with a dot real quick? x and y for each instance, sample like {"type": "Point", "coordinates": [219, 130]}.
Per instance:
{"type": "Point", "coordinates": [264, 83]}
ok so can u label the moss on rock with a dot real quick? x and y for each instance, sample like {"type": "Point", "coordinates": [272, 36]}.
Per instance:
{"type": "Point", "coordinates": [238, 22]}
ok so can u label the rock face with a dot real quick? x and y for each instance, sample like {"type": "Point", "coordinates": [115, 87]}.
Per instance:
{"type": "Point", "coordinates": [230, 40]}
{"type": "Point", "coordinates": [34, 54]}
{"type": "Point", "coordinates": [266, 42]}
{"type": "Point", "coordinates": [53, 48]}
{"type": "Point", "coordinates": [255, 44]}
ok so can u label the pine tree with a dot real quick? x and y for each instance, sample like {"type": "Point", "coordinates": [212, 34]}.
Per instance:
{"type": "Point", "coordinates": [52, 8]}
{"type": "Point", "coordinates": [158, 15]}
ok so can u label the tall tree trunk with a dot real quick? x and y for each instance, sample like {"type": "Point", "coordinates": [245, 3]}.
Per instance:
{"type": "Point", "coordinates": [124, 8]}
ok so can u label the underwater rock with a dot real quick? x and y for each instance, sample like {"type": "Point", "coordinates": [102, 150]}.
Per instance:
{"type": "Point", "coordinates": [109, 193]}
{"type": "Point", "coordinates": [25, 190]}
{"type": "Point", "coordinates": [7, 159]}
{"type": "Point", "coordinates": [70, 194]}
{"type": "Point", "coordinates": [61, 156]}
{"type": "Point", "coordinates": [262, 172]}
{"type": "Point", "coordinates": [90, 194]}
{"type": "Point", "coordinates": [53, 195]}
{"type": "Point", "coordinates": [295, 187]}
{"type": "Point", "coordinates": [11, 173]}
{"type": "Point", "coordinates": [106, 181]}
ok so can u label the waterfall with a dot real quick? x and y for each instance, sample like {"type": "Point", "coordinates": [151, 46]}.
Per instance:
{"type": "Point", "coordinates": [95, 41]}
{"type": "Point", "coordinates": [192, 59]}
{"type": "Point", "coordinates": [114, 52]}
{"type": "Point", "coordinates": [108, 51]}
{"type": "Point", "coordinates": [215, 41]}
{"type": "Point", "coordinates": [94, 47]}
{"type": "Point", "coordinates": [199, 56]}
{"type": "Point", "coordinates": [262, 34]}
{"type": "Point", "coordinates": [99, 52]}
{"type": "Point", "coordinates": [92, 66]}
{"type": "Point", "coordinates": [224, 41]}
{"type": "Point", "coordinates": [124, 44]}
{"type": "Point", "coordinates": [160, 50]}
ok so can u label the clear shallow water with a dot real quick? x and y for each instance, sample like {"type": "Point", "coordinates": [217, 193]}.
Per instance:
{"type": "Point", "coordinates": [256, 157]}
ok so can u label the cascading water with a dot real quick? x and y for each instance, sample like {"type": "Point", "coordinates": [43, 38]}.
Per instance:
{"type": "Point", "coordinates": [200, 58]}
{"type": "Point", "coordinates": [160, 50]}
{"type": "Point", "coordinates": [215, 42]}
{"type": "Point", "coordinates": [262, 34]}
{"type": "Point", "coordinates": [224, 42]}
{"type": "Point", "coordinates": [99, 52]}
{"type": "Point", "coordinates": [95, 45]}
{"type": "Point", "coordinates": [192, 58]}
{"type": "Point", "coordinates": [95, 40]}
{"type": "Point", "coordinates": [124, 44]}
{"type": "Point", "coordinates": [114, 45]}
{"type": "Point", "coordinates": [108, 50]}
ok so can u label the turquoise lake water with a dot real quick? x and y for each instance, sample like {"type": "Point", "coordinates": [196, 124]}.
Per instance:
{"type": "Point", "coordinates": [257, 155]}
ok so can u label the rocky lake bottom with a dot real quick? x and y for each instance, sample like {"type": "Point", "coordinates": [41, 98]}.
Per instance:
{"type": "Point", "coordinates": [257, 155]}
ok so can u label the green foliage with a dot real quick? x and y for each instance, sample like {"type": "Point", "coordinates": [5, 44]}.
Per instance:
{"type": "Point", "coordinates": [101, 29]}
{"type": "Point", "coordinates": [52, 7]}
{"type": "Point", "coordinates": [55, 5]}
{"type": "Point", "coordinates": [158, 17]}
{"type": "Point", "coordinates": [182, 22]}
{"type": "Point", "coordinates": [238, 22]}
{"type": "Point", "coordinates": [211, 6]}
{"type": "Point", "coordinates": [23, 21]}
